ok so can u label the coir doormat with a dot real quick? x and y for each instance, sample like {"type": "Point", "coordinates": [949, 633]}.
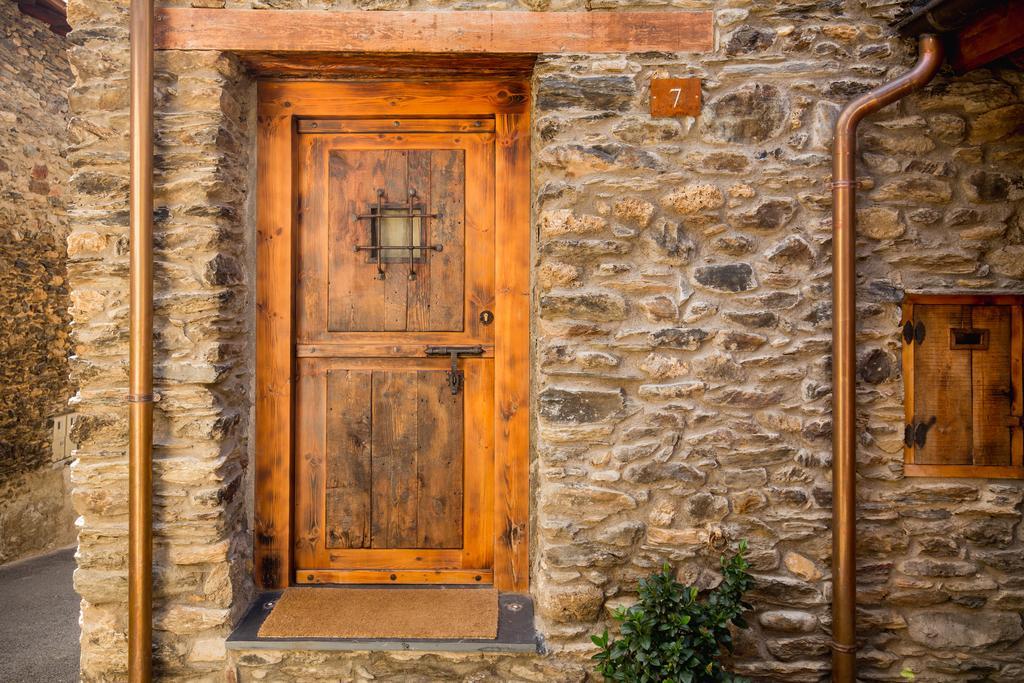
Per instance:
{"type": "Point", "coordinates": [410, 613]}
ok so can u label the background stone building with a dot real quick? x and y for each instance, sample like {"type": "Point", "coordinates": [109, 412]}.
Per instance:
{"type": "Point", "coordinates": [35, 507]}
{"type": "Point", "coordinates": [681, 345]}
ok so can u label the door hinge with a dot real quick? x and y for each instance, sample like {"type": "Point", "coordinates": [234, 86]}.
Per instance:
{"type": "Point", "coordinates": [916, 433]}
{"type": "Point", "coordinates": [912, 332]}
{"type": "Point", "coordinates": [455, 375]}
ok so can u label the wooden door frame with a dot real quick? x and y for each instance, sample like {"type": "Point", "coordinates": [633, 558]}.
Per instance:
{"type": "Point", "coordinates": [281, 104]}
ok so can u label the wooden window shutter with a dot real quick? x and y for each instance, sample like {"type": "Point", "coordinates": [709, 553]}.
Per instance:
{"type": "Point", "coordinates": [962, 373]}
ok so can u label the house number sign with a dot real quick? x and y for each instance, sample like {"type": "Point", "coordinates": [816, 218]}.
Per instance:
{"type": "Point", "coordinates": [673, 97]}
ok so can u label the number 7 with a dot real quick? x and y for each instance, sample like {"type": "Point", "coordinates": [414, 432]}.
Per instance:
{"type": "Point", "coordinates": [679, 93]}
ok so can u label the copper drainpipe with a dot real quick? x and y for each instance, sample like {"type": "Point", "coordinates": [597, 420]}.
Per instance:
{"type": "Point", "coordinates": [844, 350]}
{"type": "Point", "coordinates": [140, 350]}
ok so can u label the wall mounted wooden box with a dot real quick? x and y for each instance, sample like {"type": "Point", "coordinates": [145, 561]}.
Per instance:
{"type": "Point", "coordinates": [962, 373]}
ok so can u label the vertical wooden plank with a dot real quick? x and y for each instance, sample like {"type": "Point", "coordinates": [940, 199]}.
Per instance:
{"type": "Point", "coordinates": [439, 462]}
{"type": "Point", "coordinates": [354, 295]}
{"type": "Point", "coordinates": [394, 178]}
{"type": "Point", "coordinates": [393, 460]}
{"type": "Point", "coordinates": [417, 317]}
{"type": "Point", "coordinates": [275, 203]}
{"type": "Point", "coordinates": [478, 450]}
{"type": "Point", "coordinates": [512, 361]}
{"type": "Point", "coordinates": [480, 228]}
{"type": "Point", "coordinates": [942, 387]}
{"type": "Point", "coordinates": [448, 274]}
{"type": "Point", "coordinates": [348, 459]}
{"type": "Point", "coordinates": [447, 288]}
{"type": "Point", "coordinates": [311, 235]}
{"type": "Point", "coordinates": [436, 296]}
{"type": "Point", "coordinates": [1017, 373]}
{"type": "Point", "coordinates": [358, 300]}
{"type": "Point", "coordinates": [992, 387]}
{"type": "Point", "coordinates": [480, 519]}
{"type": "Point", "coordinates": [310, 448]}
{"type": "Point", "coordinates": [908, 380]}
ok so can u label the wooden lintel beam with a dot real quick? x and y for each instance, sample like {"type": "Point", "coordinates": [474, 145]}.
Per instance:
{"type": "Point", "coordinates": [996, 33]}
{"type": "Point", "coordinates": [243, 30]}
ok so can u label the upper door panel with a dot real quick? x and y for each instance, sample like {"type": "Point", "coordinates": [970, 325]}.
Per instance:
{"type": "Point", "coordinates": [396, 238]}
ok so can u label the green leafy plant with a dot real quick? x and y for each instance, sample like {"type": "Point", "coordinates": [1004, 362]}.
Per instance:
{"type": "Point", "coordinates": [674, 634]}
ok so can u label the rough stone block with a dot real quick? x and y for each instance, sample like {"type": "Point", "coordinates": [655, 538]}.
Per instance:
{"type": "Point", "coordinates": [942, 630]}
{"type": "Point", "coordinates": [733, 277]}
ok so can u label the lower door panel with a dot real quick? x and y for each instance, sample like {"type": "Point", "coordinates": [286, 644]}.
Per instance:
{"type": "Point", "coordinates": [393, 471]}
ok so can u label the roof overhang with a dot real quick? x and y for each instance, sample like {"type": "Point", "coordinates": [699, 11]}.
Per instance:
{"type": "Point", "coordinates": [976, 32]}
{"type": "Point", "coordinates": [54, 13]}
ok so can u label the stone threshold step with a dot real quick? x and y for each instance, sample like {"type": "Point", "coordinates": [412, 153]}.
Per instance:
{"type": "Point", "coordinates": [515, 632]}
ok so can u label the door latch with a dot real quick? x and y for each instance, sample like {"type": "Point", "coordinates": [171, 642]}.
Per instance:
{"type": "Point", "coordinates": [455, 376]}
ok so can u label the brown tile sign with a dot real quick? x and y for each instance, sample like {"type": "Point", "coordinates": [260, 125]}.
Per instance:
{"type": "Point", "coordinates": [675, 97]}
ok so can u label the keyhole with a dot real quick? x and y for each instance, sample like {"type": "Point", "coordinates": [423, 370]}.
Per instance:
{"type": "Point", "coordinates": [486, 317]}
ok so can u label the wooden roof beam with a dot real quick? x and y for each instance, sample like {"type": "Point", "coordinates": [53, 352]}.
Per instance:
{"type": "Point", "coordinates": [51, 12]}
{"type": "Point", "coordinates": [997, 32]}
{"type": "Point", "coordinates": [306, 31]}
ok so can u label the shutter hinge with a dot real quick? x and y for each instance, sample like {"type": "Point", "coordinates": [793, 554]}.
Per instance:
{"type": "Point", "coordinates": [916, 433]}
{"type": "Point", "coordinates": [912, 332]}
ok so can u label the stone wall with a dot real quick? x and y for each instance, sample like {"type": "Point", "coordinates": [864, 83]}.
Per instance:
{"type": "Point", "coordinates": [35, 514]}
{"type": "Point", "coordinates": [684, 340]}
{"type": "Point", "coordinates": [202, 372]}
{"type": "Point", "coordinates": [682, 348]}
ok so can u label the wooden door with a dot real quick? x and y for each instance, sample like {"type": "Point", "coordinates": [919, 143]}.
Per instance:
{"type": "Point", "coordinates": [393, 446]}
{"type": "Point", "coordinates": [364, 468]}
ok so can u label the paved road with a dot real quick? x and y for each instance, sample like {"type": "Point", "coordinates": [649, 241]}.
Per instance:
{"type": "Point", "coordinates": [39, 620]}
